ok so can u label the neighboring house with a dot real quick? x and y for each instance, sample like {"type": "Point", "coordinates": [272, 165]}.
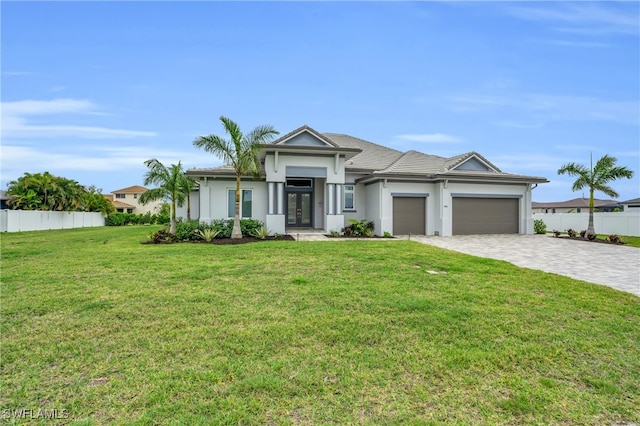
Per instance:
{"type": "Point", "coordinates": [319, 181]}
{"type": "Point", "coordinates": [631, 205]}
{"type": "Point", "coordinates": [577, 205]}
{"type": "Point", "coordinates": [4, 199]}
{"type": "Point", "coordinates": [126, 200]}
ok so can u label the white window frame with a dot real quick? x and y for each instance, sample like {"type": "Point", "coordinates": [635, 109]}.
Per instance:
{"type": "Point", "coordinates": [231, 199]}
{"type": "Point", "coordinates": [344, 196]}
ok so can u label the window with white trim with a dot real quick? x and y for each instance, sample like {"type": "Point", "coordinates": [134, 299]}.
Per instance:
{"type": "Point", "coordinates": [246, 203]}
{"type": "Point", "coordinates": [121, 195]}
{"type": "Point", "coordinates": [349, 197]}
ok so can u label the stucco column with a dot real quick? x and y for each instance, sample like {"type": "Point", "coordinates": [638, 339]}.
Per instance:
{"type": "Point", "coordinates": [330, 199]}
{"type": "Point", "coordinates": [272, 196]}
{"type": "Point", "coordinates": [339, 198]}
{"type": "Point", "coordinates": [280, 198]}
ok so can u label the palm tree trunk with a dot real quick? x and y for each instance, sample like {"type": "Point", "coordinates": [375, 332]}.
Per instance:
{"type": "Point", "coordinates": [188, 207]}
{"type": "Point", "coordinates": [237, 231]}
{"type": "Point", "coordinates": [590, 228]}
{"type": "Point", "coordinates": [172, 226]}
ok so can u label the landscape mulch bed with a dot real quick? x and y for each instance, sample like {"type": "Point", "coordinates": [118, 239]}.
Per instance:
{"type": "Point", "coordinates": [226, 241]}
{"type": "Point", "coordinates": [597, 240]}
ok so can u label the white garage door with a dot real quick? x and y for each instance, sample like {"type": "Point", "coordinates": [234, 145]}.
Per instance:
{"type": "Point", "coordinates": [485, 216]}
{"type": "Point", "coordinates": [409, 215]}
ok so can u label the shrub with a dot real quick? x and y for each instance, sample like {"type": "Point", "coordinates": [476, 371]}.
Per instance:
{"type": "Point", "coordinates": [539, 227]}
{"type": "Point", "coordinates": [583, 233]}
{"type": "Point", "coordinates": [334, 234]}
{"type": "Point", "coordinates": [591, 236]}
{"type": "Point", "coordinates": [186, 231]}
{"type": "Point", "coordinates": [207, 234]}
{"type": "Point", "coordinates": [162, 236]}
{"type": "Point", "coordinates": [556, 233]}
{"type": "Point", "coordinates": [614, 238]}
{"type": "Point", "coordinates": [387, 234]}
{"type": "Point", "coordinates": [572, 233]}
{"type": "Point", "coordinates": [225, 227]}
{"type": "Point", "coordinates": [262, 233]}
{"type": "Point", "coordinates": [358, 228]}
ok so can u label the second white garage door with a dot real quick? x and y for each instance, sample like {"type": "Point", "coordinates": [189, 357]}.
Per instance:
{"type": "Point", "coordinates": [485, 215]}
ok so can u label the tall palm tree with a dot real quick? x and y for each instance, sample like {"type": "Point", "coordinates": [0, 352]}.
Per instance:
{"type": "Point", "coordinates": [187, 186]}
{"type": "Point", "coordinates": [168, 180]}
{"type": "Point", "coordinates": [239, 152]}
{"type": "Point", "coordinates": [596, 179]}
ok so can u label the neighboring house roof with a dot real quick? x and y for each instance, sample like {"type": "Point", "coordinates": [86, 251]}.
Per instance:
{"type": "Point", "coordinates": [377, 161]}
{"type": "Point", "coordinates": [117, 203]}
{"type": "Point", "coordinates": [136, 189]}
{"type": "Point", "coordinates": [3, 195]}
{"type": "Point", "coordinates": [632, 201]}
{"type": "Point", "coordinates": [575, 203]}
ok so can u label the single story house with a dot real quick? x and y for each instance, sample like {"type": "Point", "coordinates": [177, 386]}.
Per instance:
{"type": "Point", "coordinates": [577, 205]}
{"type": "Point", "coordinates": [126, 200]}
{"type": "Point", "coordinates": [632, 205]}
{"type": "Point", "coordinates": [318, 181]}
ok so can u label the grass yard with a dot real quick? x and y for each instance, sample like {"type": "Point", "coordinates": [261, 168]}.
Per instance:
{"type": "Point", "coordinates": [348, 332]}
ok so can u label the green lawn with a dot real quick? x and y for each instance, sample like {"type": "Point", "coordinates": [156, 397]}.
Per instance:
{"type": "Point", "coordinates": [341, 332]}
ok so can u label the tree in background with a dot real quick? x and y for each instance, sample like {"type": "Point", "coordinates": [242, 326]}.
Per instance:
{"type": "Point", "coordinates": [240, 152]}
{"type": "Point", "coordinates": [44, 191]}
{"type": "Point", "coordinates": [596, 179]}
{"type": "Point", "coordinates": [170, 186]}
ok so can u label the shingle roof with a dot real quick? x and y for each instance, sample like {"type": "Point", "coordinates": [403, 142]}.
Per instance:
{"type": "Point", "coordinates": [136, 189]}
{"type": "Point", "coordinates": [632, 201]}
{"type": "Point", "coordinates": [373, 156]}
{"type": "Point", "coordinates": [414, 162]}
{"type": "Point", "coordinates": [379, 160]}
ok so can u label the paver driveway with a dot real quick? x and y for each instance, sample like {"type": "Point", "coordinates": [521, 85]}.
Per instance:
{"type": "Point", "coordinates": [610, 265]}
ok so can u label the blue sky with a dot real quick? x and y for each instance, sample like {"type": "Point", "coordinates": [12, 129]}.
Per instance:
{"type": "Point", "coordinates": [91, 90]}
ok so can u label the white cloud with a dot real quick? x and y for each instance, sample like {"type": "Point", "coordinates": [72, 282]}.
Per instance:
{"type": "Point", "coordinates": [16, 122]}
{"type": "Point", "coordinates": [583, 18]}
{"type": "Point", "coordinates": [95, 159]}
{"type": "Point", "coordinates": [546, 107]}
{"type": "Point", "coordinates": [430, 138]}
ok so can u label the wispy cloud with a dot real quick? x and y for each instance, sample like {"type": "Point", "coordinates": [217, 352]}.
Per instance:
{"type": "Point", "coordinates": [595, 19]}
{"type": "Point", "coordinates": [17, 120]}
{"type": "Point", "coordinates": [571, 43]}
{"type": "Point", "coordinates": [547, 107]}
{"type": "Point", "coordinates": [430, 138]}
{"type": "Point", "coordinates": [94, 159]}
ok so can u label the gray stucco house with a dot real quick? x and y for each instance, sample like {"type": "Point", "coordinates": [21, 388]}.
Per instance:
{"type": "Point", "coordinates": [319, 181]}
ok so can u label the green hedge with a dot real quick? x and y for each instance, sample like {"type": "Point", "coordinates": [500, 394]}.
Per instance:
{"type": "Point", "coordinates": [121, 219]}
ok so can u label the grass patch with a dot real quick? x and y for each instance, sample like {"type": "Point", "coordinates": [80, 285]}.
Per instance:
{"type": "Point", "coordinates": [114, 331]}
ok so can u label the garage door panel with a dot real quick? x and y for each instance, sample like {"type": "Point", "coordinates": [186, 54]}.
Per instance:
{"type": "Point", "coordinates": [485, 216]}
{"type": "Point", "coordinates": [409, 215]}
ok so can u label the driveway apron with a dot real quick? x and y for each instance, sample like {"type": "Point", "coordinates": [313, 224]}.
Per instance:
{"type": "Point", "coordinates": [615, 266]}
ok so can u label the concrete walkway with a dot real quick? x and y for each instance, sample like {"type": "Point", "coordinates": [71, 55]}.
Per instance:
{"type": "Point", "coordinates": [611, 265]}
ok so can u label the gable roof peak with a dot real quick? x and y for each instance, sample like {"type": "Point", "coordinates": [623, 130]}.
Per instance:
{"type": "Point", "coordinates": [304, 129]}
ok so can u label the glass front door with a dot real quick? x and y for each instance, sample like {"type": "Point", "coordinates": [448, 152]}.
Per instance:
{"type": "Point", "coordinates": [299, 209]}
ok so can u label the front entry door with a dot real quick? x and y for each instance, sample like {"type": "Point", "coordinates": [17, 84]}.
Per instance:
{"type": "Point", "coordinates": [299, 209]}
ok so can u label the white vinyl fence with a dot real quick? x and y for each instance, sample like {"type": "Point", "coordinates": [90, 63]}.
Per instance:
{"type": "Point", "coordinates": [36, 220]}
{"type": "Point", "coordinates": [622, 223]}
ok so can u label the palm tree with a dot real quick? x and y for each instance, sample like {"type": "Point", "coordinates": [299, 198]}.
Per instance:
{"type": "Point", "coordinates": [187, 186]}
{"type": "Point", "coordinates": [596, 179]}
{"type": "Point", "coordinates": [168, 180]}
{"type": "Point", "coordinates": [240, 152]}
